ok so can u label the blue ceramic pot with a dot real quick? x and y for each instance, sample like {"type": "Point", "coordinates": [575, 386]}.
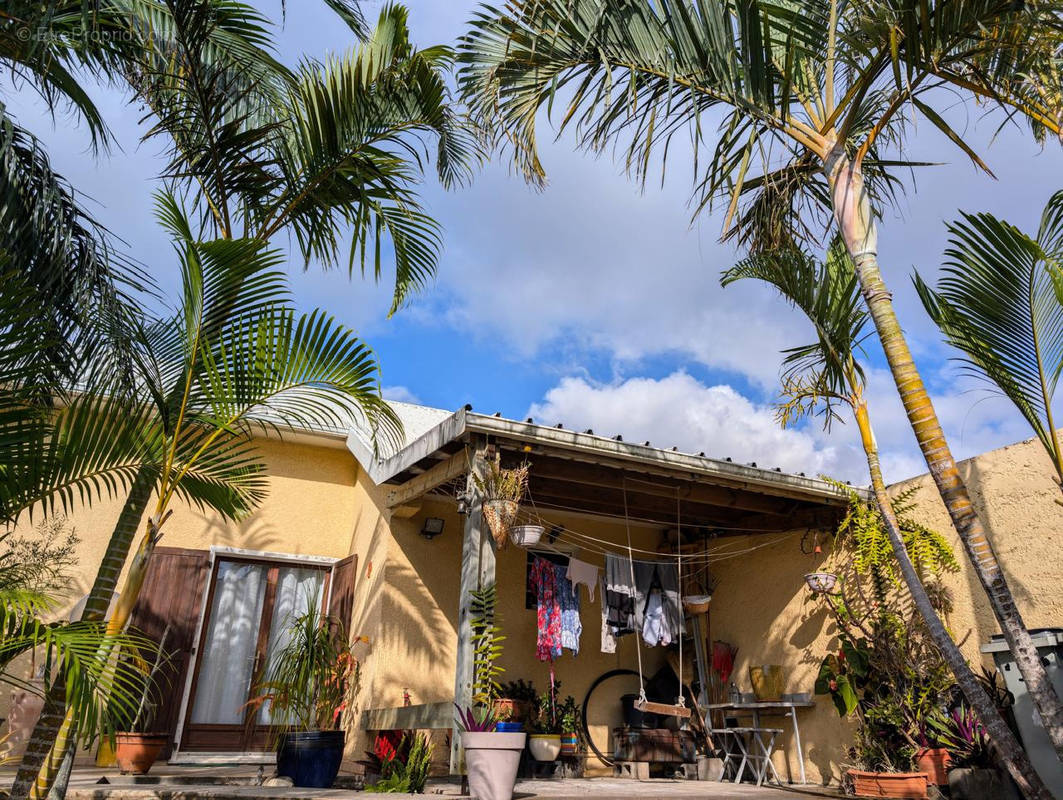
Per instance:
{"type": "Point", "coordinates": [509, 727]}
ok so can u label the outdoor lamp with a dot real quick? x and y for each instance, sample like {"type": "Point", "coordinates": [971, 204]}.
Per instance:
{"type": "Point", "coordinates": [432, 527]}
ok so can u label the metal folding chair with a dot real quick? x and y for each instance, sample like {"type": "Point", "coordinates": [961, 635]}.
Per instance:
{"type": "Point", "coordinates": [754, 748]}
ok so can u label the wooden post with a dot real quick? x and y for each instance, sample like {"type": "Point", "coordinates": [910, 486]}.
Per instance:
{"type": "Point", "coordinates": [477, 570]}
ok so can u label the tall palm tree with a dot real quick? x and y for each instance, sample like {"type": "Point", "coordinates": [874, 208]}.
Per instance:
{"type": "Point", "coordinates": [1000, 301]}
{"type": "Point", "coordinates": [826, 377]}
{"type": "Point", "coordinates": [805, 97]}
{"type": "Point", "coordinates": [234, 360]}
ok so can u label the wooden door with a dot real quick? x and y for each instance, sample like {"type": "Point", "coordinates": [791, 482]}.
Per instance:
{"type": "Point", "coordinates": [249, 609]}
{"type": "Point", "coordinates": [169, 603]}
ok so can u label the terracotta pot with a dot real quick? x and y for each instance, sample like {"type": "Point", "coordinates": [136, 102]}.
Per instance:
{"type": "Point", "coordinates": [545, 746]}
{"type": "Point", "coordinates": [491, 761]}
{"type": "Point", "coordinates": [136, 752]}
{"type": "Point", "coordinates": [934, 761]}
{"type": "Point", "coordinates": [905, 785]}
{"type": "Point", "coordinates": [505, 709]}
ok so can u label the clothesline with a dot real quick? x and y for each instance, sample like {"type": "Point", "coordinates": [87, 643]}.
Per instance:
{"type": "Point", "coordinates": [585, 541]}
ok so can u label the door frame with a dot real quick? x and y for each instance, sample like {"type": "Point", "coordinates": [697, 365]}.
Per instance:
{"type": "Point", "coordinates": [221, 552]}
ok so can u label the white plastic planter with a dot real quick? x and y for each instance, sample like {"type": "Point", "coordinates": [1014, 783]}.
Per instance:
{"type": "Point", "coordinates": [526, 535]}
{"type": "Point", "coordinates": [545, 746]}
{"type": "Point", "coordinates": [491, 761]}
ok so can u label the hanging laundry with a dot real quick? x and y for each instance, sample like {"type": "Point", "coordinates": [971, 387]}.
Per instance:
{"type": "Point", "coordinates": [619, 594]}
{"type": "Point", "coordinates": [658, 581]}
{"type": "Point", "coordinates": [580, 572]}
{"type": "Point", "coordinates": [654, 630]}
{"type": "Point", "coordinates": [548, 610]}
{"type": "Point", "coordinates": [568, 600]}
{"type": "Point", "coordinates": [608, 640]}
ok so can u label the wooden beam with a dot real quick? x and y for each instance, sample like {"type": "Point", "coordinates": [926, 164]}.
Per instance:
{"type": "Point", "coordinates": [428, 480]}
{"type": "Point", "coordinates": [689, 489]}
{"type": "Point", "coordinates": [426, 716]}
{"type": "Point", "coordinates": [477, 570]}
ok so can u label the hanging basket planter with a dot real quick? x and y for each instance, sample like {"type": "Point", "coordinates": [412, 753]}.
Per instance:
{"type": "Point", "coordinates": [500, 516]}
{"type": "Point", "coordinates": [526, 535]}
{"type": "Point", "coordinates": [697, 603]}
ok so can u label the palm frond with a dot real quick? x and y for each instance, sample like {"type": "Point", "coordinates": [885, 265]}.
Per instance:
{"type": "Point", "coordinates": [997, 302]}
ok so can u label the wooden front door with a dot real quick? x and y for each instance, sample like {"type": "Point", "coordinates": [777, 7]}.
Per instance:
{"type": "Point", "coordinates": [249, 610]}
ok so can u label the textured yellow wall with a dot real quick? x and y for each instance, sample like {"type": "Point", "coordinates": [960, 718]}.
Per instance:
{"type": "Point", "coordinates": [406, 597]}
{"type": "Point", "coordinates": [762, 607]}
{"type": "Point", "coordinates": [761, 604]}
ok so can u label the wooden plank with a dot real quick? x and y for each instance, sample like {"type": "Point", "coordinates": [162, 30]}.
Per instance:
{"type": "Point", "coordinates": [477, 569]}
{"type": "Point", "coordinates": [341, 593]}
{"type": "Point", "coordinates": [426, 716]}
{"type": "Point", "coordinates": [663, 708]}
{"type": "Point", "coordinates": [428, 480]}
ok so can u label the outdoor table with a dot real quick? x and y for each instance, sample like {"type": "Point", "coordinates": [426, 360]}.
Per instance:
{"type": "Point", "coordinates": [771, 708]}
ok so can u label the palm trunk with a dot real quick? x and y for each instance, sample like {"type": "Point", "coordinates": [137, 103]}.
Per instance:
{"type": "Point", "coordinates": [42, 760]}
{"type": "Point", "coordinates": [1015, 758]}
{"type": "Point", "coordinates": [852, 209]}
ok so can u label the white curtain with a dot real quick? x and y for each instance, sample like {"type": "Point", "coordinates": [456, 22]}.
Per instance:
{"type": "Point", "coordinates": [298, 590]}
{"type": "Point", "coordinates": [229, 647]}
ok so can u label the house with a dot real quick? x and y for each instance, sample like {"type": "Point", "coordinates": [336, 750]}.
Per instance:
{"type": "Point", "coordinates": [394, 542]}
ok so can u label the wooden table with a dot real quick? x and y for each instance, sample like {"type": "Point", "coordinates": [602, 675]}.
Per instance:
{"type": "Point", "coordinates": [769, 708]}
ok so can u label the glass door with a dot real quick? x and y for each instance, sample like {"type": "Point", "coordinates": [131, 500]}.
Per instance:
{"type": "Point", "coordinates": [251, 607]}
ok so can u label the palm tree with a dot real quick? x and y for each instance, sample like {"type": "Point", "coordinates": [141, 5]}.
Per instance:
{"type": "Point", "coordinates": [206, 385]}
{"type": "Point", "coordinates": [805, 97]}
{"type": "Point", "coordinates": [104, 693]}
{"type": "Point", "coordinates": [332, 147]}
{"type": "Point", "coordinates": [826, 376]}
{"type": "Point", "coordinates": [1000, 301]}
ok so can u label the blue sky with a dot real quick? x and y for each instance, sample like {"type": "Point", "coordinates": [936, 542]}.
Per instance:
{"type": "Point", "coordinates": [597, 305]}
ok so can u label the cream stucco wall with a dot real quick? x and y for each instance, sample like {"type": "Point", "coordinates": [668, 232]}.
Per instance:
{"type": "Point", "coordinates": [406, 597]}
{"type": "Point", "coordinates": [310, 509]}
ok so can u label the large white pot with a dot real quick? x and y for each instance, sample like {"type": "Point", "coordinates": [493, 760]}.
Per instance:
{"type": "Point", "coordinates": [491, 761]}
{"type": "Point", "coordinates": [545, 746]}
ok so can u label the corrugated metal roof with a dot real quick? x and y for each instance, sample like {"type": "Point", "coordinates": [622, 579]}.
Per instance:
{"type": "Point", "coordinates": [429, 429]}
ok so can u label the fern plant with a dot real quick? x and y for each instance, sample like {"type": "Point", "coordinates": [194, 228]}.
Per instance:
{"type": "Point", "coordinates": [487, 638]}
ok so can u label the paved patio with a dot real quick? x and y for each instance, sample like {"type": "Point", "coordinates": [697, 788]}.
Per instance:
{"type": "Point", "coordinates": [235, 783]}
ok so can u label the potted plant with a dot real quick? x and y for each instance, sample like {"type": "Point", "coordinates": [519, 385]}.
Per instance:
{"type": "Point", "coordinates": [307, 686]}
{"type": "Point", "coordinates": [491, 756]}
{"type": "Point", "coordinates": [973, 772]}
{"type": "Point", "coordinates": [520, 696]}
{"type": "Point", "coordinates": [887, 674]}
{"type": "Point", "coordinates": [137, 749]}
{"type": "Point", "coordinates": [545, 741]}
{"type": "Point", "coordinates": [502, 490]}
{"type": "Point", "coordinates": [932, 757]}
{"type": "Point", "coordinates": [570, 723]}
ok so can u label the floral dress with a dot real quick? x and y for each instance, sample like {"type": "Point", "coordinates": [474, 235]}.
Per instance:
{"type": "Point", "coordinates": [548, 610]}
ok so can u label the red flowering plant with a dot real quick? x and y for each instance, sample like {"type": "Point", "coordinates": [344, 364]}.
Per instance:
{"type": "Point", "coordinates": [311, 680]}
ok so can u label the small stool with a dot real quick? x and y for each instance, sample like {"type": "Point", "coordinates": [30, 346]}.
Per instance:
{"type": "Point", "coordinates": [755, 746]}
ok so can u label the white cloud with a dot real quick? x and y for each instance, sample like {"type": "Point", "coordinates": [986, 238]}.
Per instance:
{"type": "Point", "coordinates": [680, 411]}
{"type": "Point", "coordinates": [400, 394]}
